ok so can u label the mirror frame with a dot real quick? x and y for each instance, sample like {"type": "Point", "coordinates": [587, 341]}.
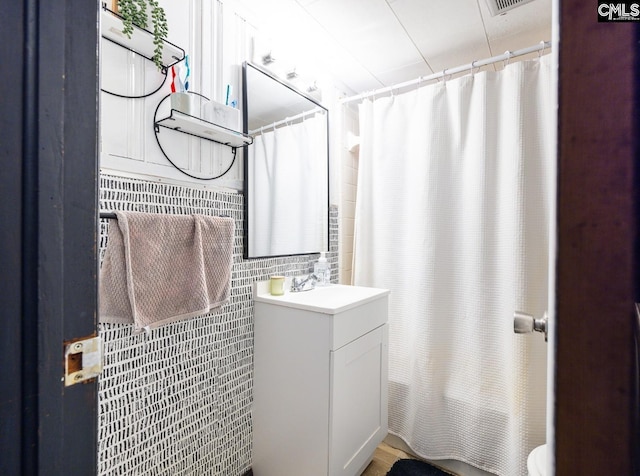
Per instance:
{"type": "Point", "coordinates": [245, 189]}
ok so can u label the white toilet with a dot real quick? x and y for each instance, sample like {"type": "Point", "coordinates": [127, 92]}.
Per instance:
{"type": "Point", "coordinates": [537, 461]}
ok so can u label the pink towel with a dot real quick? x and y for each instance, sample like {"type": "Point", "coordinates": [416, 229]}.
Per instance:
{"type": "Point", "coordinates": [163, 268]}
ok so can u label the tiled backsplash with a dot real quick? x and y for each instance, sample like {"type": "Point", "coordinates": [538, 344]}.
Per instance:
{"type": "Point", "coordinates": [177, 401]}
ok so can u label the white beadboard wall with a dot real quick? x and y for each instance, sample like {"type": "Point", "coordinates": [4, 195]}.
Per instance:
{"type": "Point", "coordinates": [217, 41]}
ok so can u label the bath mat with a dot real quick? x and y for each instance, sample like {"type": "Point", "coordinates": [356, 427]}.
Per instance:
{"type": "Point", "coordinates": [414, 467]}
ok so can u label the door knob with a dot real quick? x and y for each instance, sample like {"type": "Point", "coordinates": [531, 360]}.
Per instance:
{"type": "Point", "coordinates": [524, 323]}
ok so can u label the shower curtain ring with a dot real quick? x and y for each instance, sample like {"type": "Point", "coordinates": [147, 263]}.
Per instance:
{"type": "Point", "coordinates": [473, 65]}
{"type": "Point", "coordinates": [506, 61]}
{"type": "Point", "coordinates": [541, 50]}
{"type": "Point", "coordinates": [444, 75]}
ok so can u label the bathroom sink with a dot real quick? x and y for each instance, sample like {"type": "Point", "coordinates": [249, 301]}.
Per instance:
{"type": "Point", "coordinates": [331, 299]}
{"type": "Point", "coordinates": [320, 369]}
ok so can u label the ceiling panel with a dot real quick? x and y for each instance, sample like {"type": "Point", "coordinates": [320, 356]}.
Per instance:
{"type": "Point", "coordinates": [444, 28]}
{"type": "Point", "coordinates": [369, 30]}
{"type": "Point", "coordinates": [367, 44]}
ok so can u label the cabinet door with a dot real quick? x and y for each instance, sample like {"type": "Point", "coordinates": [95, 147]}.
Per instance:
{"type": "Point", "coordinates": [358, 407]}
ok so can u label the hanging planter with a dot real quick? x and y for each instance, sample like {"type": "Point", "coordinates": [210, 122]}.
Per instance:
{"type": "Point", "coordinates": [135, 12]}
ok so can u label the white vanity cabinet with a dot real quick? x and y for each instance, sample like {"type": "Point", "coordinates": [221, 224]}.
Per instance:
{"type": "Point", "coordinates": [320, 380]}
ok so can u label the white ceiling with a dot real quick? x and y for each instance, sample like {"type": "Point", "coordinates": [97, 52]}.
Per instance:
{"type": "Point", "coordinates": [367, 44]}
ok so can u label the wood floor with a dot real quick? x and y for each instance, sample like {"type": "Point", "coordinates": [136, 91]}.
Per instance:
{"type": "Point", "coordinates": [383, 459]}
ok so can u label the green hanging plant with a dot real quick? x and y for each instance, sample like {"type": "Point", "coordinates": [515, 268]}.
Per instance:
{"type": "Point", "coordinates": [134, 12]}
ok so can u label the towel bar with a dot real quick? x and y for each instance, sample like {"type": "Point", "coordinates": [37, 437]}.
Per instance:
{"type": "Point", "coordinates": [112, 215]}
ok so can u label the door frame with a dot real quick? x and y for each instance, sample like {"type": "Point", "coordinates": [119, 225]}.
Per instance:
{"type": "Point", "coordinates": [48, 257]}
{"type": "Point", "coordinates": [597, 268]}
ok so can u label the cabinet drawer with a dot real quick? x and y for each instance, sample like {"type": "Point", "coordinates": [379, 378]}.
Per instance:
{"type": "Point", "coordinates": [353, 323]}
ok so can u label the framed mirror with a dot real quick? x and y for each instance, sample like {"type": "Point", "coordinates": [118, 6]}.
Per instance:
{"type": "Point", "coordinates": [286, 169]}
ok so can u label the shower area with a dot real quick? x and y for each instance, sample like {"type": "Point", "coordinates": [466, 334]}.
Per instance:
{"type": "Point", "coordinates": [455, 197]}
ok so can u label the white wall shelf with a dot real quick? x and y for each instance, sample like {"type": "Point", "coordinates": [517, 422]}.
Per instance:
{"type": "Point", "coordinates": [141, 41]}
{"type": "Point", "coordinates": [197, 127]}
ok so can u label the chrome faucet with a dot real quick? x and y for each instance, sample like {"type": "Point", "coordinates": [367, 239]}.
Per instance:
{"type": "Point", "coordinates": [306, 284]}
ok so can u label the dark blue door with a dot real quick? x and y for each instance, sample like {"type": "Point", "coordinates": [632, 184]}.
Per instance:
{"type": "Point", "coordinates": [48, 180]}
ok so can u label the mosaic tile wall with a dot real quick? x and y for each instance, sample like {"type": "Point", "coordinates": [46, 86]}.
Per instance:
{"type": "Point", "coordinates": [177, 401]}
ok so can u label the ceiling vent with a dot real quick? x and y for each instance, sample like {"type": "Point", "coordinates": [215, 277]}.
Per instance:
{"type": "Point", "coordinates": [498, 7]}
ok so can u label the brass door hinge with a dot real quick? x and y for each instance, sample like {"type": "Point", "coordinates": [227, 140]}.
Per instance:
{"type": "Point", "coordinates": [82, 360]}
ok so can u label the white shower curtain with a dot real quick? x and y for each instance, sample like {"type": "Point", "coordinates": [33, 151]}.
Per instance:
{"type": "Point", "coordinates": [288, 176]}
{"type": "Point", "coordinates": [452, 216]}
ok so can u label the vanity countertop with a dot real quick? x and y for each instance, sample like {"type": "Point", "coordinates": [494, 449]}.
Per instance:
{"type": "Point", "coordinates": [330, 299]}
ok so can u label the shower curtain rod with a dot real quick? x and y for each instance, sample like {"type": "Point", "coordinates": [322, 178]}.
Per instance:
{"type": "Point", "coordinates": [273, 125]}
{"type": "Point", "coordinates": [506, 56]}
